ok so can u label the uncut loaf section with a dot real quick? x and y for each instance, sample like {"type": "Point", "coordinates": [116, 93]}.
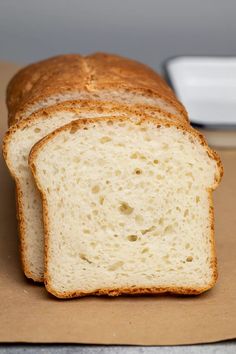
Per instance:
{"type": "Point", "coordinates": [98, 76]}
{"type": "Point", "coordinates": [127, 207]}
{"type": "Point", "coordinates": [37, 99]}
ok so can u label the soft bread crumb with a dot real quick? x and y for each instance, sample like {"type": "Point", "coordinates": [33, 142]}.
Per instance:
{"type": "Point", "coordinates": [142, 231]}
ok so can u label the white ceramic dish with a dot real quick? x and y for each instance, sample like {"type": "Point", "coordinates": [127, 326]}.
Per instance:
{"type": "Point", "coordinates": [207, 88]}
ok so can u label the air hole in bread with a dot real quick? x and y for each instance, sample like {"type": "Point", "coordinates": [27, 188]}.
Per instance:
{"type": "Point", "coordinates": [134, 155]}
{"type": "Point", "coordinates": [84, 258]}
{"type": "Point", "coordinates": [139, 219]}
{"type": "Point", "coordinates": [74, 129]}
{"type": "Point", "coordinates": [166, 259]}
{"type": "Point", "coordinates": [117, 172]}
{"type": "Point", "coordinates": [86, 231]}
{"type": "Point", "coordinates": [115, 266]}
{"type": "Point", "coordinates": [37, 130]}
{"type": "Point", "coordinates": [187, 246]}
{"type": "Point", "coordinates": [186, 213]}
{"type": "Point", "coordinates": [189, 174]}
{"type": "Point", "coordinates": [93, 244]}
{"type": "Point", "coordinates": [101, 200]}
{"type": "Point", "coordinates": [165, 146]}
{"type": "Point", "coordinates": [138, 171]}
{"type": "Point", "coordinates": [189, 259]}
{"type": "Point", "coordinates": [76, 159]}
{"type": "Point", "coordinates": [150, 229]}
{"type": "Point", "coordinates": [125, 208]}
{"type": "Point", "coordinates": [168, 230]}
{"type": "Point", "coordinates": [105, 139]}
{"type": "Point", "coordinates": [96, 189]}
{"type": "Point", "coordinates": [159, 177]}
{"type": "Point", "coordinates": [132, 238]}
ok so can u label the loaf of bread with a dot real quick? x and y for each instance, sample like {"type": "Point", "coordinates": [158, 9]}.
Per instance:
{"type": "Point", "coordinates": [119, 96]}
{"type": "Point", "coordinates": [89, 80]}
{"type": "Point", "coordinates": [127, 207]}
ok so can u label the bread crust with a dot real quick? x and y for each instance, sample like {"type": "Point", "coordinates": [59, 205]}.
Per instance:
{"type": "Point", "coordinates": [80, 124]}
{"type": "Point", "coordinates": [89, 74]}
{"type": "Point", "coordinates": [75, 106]}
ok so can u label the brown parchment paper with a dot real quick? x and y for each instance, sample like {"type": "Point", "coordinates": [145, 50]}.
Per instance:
{"type": "Point", "coordinates": [29, 314]}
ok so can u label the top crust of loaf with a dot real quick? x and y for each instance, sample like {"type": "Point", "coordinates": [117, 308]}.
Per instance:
{"type": "Point", "coordinates": [89, 74]}
{"type": "Point", "coordinates": [83, 124]}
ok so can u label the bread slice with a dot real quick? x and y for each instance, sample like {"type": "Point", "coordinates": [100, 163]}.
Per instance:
{"type": "Point", "coordinates": [98, 76]}
{"type": "Point", "coordinates": [17, 144]}
{"type": "Point", "coordinates": [127, 207]}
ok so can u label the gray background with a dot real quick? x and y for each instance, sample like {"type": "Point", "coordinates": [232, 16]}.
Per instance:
{"type": "Point", "coordinates": [148, 30]}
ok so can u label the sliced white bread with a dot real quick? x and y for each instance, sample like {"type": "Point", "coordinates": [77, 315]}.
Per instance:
{"type": "Point", "coordinates": [127, 207]}
{"type": "Point", "coordinates": [98, 76]}
{"type": "Point", "coordinates": [17, 144]}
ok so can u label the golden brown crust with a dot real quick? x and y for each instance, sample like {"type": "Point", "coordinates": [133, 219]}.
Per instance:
{"type": "Point", "coordinates": [127, 291]}
{"type": "Point", "coordinates": [21, 232]}
{"type": "Point", "coordinates": [21, 221]}
{"type": "Point", "coordinates": [91, 74]}
{"type": "Point", "coordinates": [80, 124]}
{"type": "Point", "coordinates": [78, 106]}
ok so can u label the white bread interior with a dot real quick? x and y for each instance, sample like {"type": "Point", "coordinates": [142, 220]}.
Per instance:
{"type": "Point", "coordinates": [127, 207]}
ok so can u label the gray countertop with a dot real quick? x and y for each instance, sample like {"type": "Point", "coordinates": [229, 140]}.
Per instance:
{"type": "Point", "coordinates": [228, 347]}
